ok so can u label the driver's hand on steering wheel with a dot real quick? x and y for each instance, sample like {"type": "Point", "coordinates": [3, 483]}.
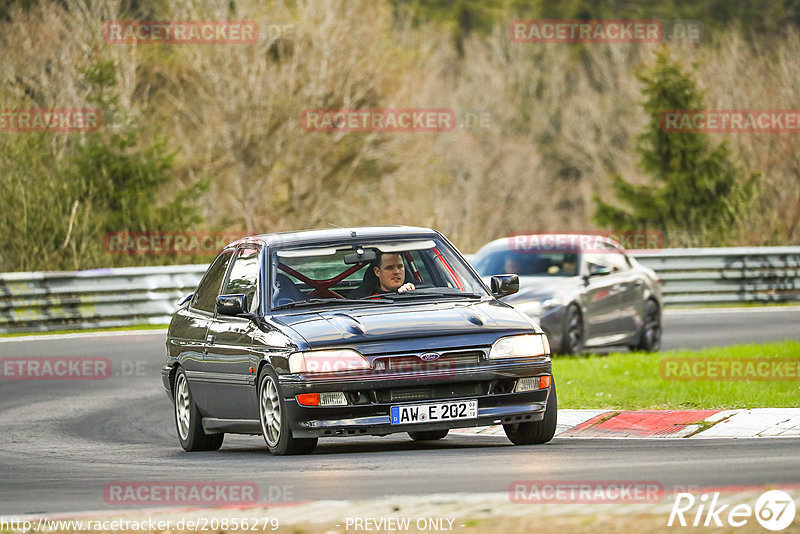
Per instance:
{"type": "Point", "coordinates": [408, 286]}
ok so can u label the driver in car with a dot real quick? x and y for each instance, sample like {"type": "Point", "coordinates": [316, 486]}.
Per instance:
{"type": "Point", "coordinates": [391, 274]}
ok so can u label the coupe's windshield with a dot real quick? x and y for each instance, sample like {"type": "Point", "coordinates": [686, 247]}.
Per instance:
{"type": "Point", "coordinates": [371, 271]}
{"type": "Point", "coordinates": [525, 263]}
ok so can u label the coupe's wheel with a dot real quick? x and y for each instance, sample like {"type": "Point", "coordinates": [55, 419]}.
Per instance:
{"type": "Point", "coordinates": [428, 435]}
{"type": "Point", "coordinates": [572, 340]}
{"type": "Point", "coordinates": [650, 337]}
{"type": "Point", "coordinates": [536, 432]}
{"type": "Point", "coordinates": [188, 420]}
{"type": "Point", "coordinates": [274, 423]}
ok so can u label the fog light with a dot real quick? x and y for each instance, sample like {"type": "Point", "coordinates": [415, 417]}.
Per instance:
{"type": "Point", "coordinates": [532, 383]}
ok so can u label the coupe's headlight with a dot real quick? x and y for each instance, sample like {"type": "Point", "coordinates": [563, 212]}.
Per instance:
{"type": "Point", "coordinates": [533, 308]}
{"type": "Point", "coordinates": [520, 346]}
{"type": "Point", "coordinates": [327, 361]}
{"type": "Point", "coordinates": [537, 308]}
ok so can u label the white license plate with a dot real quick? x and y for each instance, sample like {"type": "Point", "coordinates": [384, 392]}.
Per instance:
{"type": "Point", "coordinates": [440, 411]}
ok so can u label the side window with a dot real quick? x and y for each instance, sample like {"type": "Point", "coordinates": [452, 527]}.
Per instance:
{"type": "Point", "coordinates": [417, 263]}
{"type": "Point", "coordinates": [616, 258]}
{"type": "Point", "coordinates": [208, 289]}
{"type": "Point", "coordinates": [243, 279]}
{"type": "Point", "coordinates": [599, 259]}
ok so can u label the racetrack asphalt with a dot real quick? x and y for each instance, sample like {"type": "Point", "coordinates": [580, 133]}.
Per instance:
{"type": "Point", "coordinates": [62, 442]}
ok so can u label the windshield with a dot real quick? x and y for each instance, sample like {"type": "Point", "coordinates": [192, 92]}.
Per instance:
{"type": "Point", "coordinates": [369, 272]}
{"type": "Point", "coordinates": [525, 263]}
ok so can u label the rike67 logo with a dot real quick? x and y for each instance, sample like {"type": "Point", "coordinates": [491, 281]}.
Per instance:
{"type": "Point", "coordinates": [774, 510]}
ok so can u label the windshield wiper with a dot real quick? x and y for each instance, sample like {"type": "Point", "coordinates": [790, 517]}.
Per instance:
{"type": "Point", "coordinates": [317, 302]}
{"type": "Point", "coordinates": [437, 294]}
{"type": "Point", "coordinates": [380, 296]}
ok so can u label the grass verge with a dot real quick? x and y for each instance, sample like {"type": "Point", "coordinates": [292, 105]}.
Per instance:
{"type": "Point", "coordinates": [634, 381]}
{"type": "Point", "coordinates": [85, 330]}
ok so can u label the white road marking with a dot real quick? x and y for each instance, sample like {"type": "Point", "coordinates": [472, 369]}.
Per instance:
{"type": "Point", "coordinates": [79, 335]}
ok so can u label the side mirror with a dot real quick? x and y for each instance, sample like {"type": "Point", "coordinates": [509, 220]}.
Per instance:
{"type": "Point", "coordinates": [231, 305]}
{"type": "Point", "coordinates": [185, 299]}
{"type": "Point", "coordinates": [598, 270]}
{"type": "Point", "coordinates": [504, 284]}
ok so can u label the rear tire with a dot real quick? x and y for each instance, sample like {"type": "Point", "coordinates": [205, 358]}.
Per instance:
{"type": "Point", "coordinates": [189, 422]}
{"type": "Point", "coordinates": [428, 435]}
{"type": "Point", "coordinates": [274, 421]}
{"type": "Point", "coordinates": [650, 336]}
{"type": "Point", "coordinates": [572, 339]}
{"type": "Point", "coordinates": [536, 432]}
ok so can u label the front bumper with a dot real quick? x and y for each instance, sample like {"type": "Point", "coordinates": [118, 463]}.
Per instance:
{"type": "Point", "coordinates": [492, 387]}
{"type": "Point", "coordinates": [324, 422]}
{"type": "Point", "coordinates": [166, 380]}
{"type": "Point", "coordinates": [552, 322]}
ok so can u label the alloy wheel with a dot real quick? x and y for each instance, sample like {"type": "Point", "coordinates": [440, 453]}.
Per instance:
{"type": "Point", "coordinates": [182, 406]}
{"type": "Point", "coordinates": [270, 411]}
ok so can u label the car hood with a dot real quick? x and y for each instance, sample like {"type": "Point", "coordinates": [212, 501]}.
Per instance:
{"type": "Point", "coordinates": [374, 325]}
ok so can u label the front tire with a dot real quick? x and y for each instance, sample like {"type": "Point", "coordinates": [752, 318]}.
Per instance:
{"type": "Point", "coordinates": [536, 432]}
{"type": "Point", "coordinates": [274, 421]}
{"type": "Point", "coordinates": [650, 336]}
{"type": "Point", "coordinates": [428, 435]}
{"type": "Point", "coordinates": [188, 420]}
{"type": "Point", "coordinates": [572, 339]}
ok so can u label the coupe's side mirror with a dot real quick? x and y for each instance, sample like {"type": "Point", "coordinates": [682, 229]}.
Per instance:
{"type": "Point", "coordinates": [231, 305]}
{"type": "Point", "coordinates": [504, 284]}
{"type": "Point", "coordinates": [185, 299]}
{"type": "Point", "coordinates": [598, 270]}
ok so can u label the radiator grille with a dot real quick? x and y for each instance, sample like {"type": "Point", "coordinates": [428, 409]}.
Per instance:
{"type": "Point", "coordinates": [411, 363]}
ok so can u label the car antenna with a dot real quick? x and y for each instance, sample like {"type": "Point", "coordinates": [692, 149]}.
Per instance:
{"type": "Point", "coordinates": [352, 232]}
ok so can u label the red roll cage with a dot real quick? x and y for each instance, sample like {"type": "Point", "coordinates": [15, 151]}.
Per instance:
{"type": "Point", "coordinates": [322, 288]}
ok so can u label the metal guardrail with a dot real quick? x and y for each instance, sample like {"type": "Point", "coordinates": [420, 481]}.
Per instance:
{"type": "Point", "coordinates": [44, 301]}
{"type": "Point", "coordinates": [697, 276]}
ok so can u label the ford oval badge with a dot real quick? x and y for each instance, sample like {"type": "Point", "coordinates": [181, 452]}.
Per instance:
{"type": "Point", "coordinates": [429, 356]}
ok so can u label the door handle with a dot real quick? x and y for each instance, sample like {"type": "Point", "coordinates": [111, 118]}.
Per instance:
{"type": "Point", "coordinates": [210, 338]}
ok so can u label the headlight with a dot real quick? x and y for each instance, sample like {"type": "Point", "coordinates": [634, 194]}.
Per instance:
{"type": "Point", "coordinates": [536, 308]}
{"type": "Point", "coordinates": [520, 346]}
{"type": "Point", "coordinates": [531, 308]}
{"type": "Point", "coordinates": [326, 361]}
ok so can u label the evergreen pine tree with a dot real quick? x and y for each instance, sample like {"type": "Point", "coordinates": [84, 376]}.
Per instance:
{"type": "Point", "coordinates": [698, 192]}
